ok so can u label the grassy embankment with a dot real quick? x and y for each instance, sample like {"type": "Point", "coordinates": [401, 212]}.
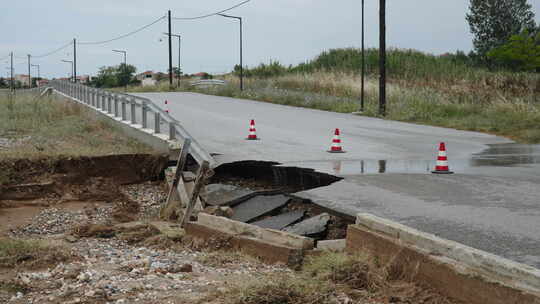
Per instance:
{"type": "Point", "coordinates": [435, 90]}
{"type": "Point", "coordinates": [335, 278]}
{"type": "Point", "coordinates": [34, 128]}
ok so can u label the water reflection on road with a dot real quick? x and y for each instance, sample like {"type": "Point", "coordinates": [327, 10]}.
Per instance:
{"type": "Point", "coordinates": [496, 156]}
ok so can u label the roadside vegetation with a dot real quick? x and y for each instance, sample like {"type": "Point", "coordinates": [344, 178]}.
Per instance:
{"type": "Point", "coordinates": [335, 278]}
{"type": "Point", "coordinates": [31, 254]}
{"type": "Point", "coordinates": [445, 91]}
{"type": "Point", "coordinates": [32, 127]}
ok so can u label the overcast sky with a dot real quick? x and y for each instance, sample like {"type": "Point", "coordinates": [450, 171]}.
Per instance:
{"type": "Point", "coordinates": [290, 31]}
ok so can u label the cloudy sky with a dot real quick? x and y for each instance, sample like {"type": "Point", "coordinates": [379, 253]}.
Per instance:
{"type": "Point", "coordinates": [290, 31]}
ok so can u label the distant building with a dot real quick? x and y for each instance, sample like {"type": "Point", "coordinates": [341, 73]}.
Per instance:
{"type": "Point", "coordinates": [42, 82]}
{"type": "Point", "coordinates": [83, 79]}
{"type": "Point", "coordinates": [23, 79]}
{"type": "Point", "coordinates": [148, 78]}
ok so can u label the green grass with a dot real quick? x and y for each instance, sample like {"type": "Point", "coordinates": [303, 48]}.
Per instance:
{"type": "Point", "coordinates": [31, 253]}
{"type": "Point", "coordinates": [51, 127]}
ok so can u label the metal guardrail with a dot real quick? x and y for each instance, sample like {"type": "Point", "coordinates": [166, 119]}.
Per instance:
{"type": "Point", "coordinates": [204, 82]}
{"type": "Point", "coordinates": [137, 112]}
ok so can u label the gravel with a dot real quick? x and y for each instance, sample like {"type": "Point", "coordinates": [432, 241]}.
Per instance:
{"type": "Point", "coordinates": [112, 271]}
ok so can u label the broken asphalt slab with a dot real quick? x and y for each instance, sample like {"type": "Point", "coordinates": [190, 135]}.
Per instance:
{"type": "Point", "coordinates": [258, 206]}
{"type": "Point", "coordinates": [310, 227]}
{"type": "Point", "coordinates": [222, 194]}
{"type": "Point", "coordinates": [280, 221]}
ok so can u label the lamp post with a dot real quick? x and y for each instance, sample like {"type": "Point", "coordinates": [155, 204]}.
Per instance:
{"type": "Point", "coordinates": [70, 61]}
{"type": "Point", "coordinates": [363, 64]}
{"type": "Point", "coordinates": [38, 72]}
{"type": "Point", "coordinates": [179, 50]}
{"type": "Point", "coordinates": [241, 55]}
{"type": "Point", "coordinates": [125, 65]}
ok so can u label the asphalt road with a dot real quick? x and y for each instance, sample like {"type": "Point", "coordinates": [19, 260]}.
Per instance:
{"type": "Point", "coordinates": [491, 203]}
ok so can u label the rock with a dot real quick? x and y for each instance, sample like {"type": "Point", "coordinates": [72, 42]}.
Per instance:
{"type": "Point", "coordinates": [170, 230]}
{"type": "Point", "coordinates": [219, 211]}
{"type": "Point", "coordinates": [331, 245]}
{"type": "Point", "coordinates": [183, 268]}
{"type": "Point", "coordinates": [71, 239]}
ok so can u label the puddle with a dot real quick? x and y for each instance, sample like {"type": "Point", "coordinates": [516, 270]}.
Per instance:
{"type": "Point", "coordinates": [498, 155]}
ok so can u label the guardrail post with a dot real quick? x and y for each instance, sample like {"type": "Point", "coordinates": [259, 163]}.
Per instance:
{"type": "Point", "coordinates": [109, 103]}
{"type": "Point", "coordinates": [100, 100]}
{"type": "Point", "coordinates": [172, 131]}
{"type": "Point", "coordinates": [144, 112]}
{"type": "Point", "coordinates": [133, 114]}
{"type": "Point", "coordinates": [123, 109]}
{"type": "Point", "coordinates": [157, 122]}
{"type": "Point", "coordinates": [116, 106]}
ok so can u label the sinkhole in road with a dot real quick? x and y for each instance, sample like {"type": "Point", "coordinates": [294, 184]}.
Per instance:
{"type": "Point", "coordinates": [262, 194]}
{"type": "Point", "coordinates": [270, 175]}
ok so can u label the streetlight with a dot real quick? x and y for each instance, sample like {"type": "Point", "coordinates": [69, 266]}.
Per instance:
{"type": "Point", "coordinates": [241, 63]}
{"type": "Point", "coordinates": [363, 64]}
{"type": "Point", "coordinates": [38, 72]}
{"type": "Point", "coordinates": [70, 61]}
{"type": "Point", "coordinates": [125, 64]}
{"type": "Point", "coordinates": [179, 49]}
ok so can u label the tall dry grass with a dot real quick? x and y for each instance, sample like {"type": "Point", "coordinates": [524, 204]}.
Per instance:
{"type": "Point", "coordinates": [32, 127]}
{"type": "Point", "coordinates": [503, 104]}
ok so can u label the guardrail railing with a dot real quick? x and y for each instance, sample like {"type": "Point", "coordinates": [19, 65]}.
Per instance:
{"type": "Point", "coordinates": [139, 112]}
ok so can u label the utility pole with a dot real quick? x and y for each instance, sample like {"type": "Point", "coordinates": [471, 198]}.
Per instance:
{"type": "Point", "coordinates": [241, 51]}
{"type": "Point", "coordinates": [179, 50]}
{"type": "Point", "coordinates": [170, 54]}
{"type": "Point", "coordinates": [74, 60]}
{"type": "Point", "coordinates": [12, 80]}
{"type": "Point", "coordinates": [29, 76]}
{"type": "Point", "coordinates": [125, 66]}
{"type": "Point", "coordinates": [38, 72]}
{"type": "Point", "coordinates": [363, 64]}
{"type": "Point", "coordinates": [382, 58]}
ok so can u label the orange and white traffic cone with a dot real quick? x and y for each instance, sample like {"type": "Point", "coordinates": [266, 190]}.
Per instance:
{"type": "Point", "coordinates": [442, 161]}
{"type": "Point", "coordinates": [252, 131]}
{"type": "Point", "coordinates": [167, 106]}
{"type": "Point", "coordinates": [336, 144]}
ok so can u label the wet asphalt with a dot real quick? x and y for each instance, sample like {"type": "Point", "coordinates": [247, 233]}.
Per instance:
{"type": "Point", "coordinates": [492, 202]}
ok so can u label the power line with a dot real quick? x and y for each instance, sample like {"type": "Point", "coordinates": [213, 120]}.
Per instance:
{"type": "Point", "coordinates": [53, 52]}
{"type": "Point", "coordinates": [122, 36]}
{"type": "Point", "coordinates": [213, 14]}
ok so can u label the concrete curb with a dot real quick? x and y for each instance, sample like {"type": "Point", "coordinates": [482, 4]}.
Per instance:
{"type": "Point", "coordinates": [446, 264]}
{"type": "Point", "coordinates": [238, 228]}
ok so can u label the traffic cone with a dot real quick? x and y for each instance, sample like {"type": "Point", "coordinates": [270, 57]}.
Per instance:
{"type": "Point", "coordinates": [167, 106]}
{"type": "Point", "coordinates": [442, 162]}
{"type": "Point", "coordinates": [336, 144]}
{"type": "Point", "coordinates": [252, 131]}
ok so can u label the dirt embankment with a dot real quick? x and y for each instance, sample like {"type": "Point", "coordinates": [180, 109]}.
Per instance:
{"type": "Point", "coordinates": [76, 178]}
{"type": "Point", "coordinates": [28, 186]}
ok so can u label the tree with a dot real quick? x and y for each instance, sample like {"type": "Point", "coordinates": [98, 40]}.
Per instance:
{"type": "Point", "coordinates": [115, 76]}
{"type": "Point", "coordinates": [493, 22]}
{"type": "Point", "coordinates": [522, 52]}
{"type": "Point", "coordinates": [125, 74]}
